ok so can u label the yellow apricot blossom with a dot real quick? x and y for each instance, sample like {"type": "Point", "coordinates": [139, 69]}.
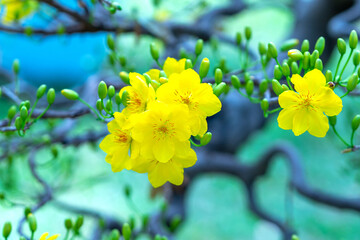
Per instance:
{"type": "Point", "coordinates": [118, 144]}
{"type": "Point", "coordinates": [162, 130]}
{"type": "Point", "coordinates": [139, 94]}
{"type": "Point", "coordinates": [186, 88]}
{"type": "Point", "coordinates": [14, 10]}
{"type": "Point", "coordinates": [44, 236]}
{"type": "Point", "coordinates": [307, 108]}
{"type": "Point", "coordinates": [171, 66]}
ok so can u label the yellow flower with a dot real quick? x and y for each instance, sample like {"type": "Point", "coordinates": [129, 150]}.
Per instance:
{"type": "Point", "coordinates": [162, 130]}
{"type": "Point", "coordinates": [44, 236]}
{"type": "Point", "coordinates": [171, 66]}
{"type": "Point", "coordinates": [119, 143]}
{"type": "Point", "coordinates": [154, 74]}
{"type": "Point", "coordinates": [140, 94]}
{"type": "Point", "coordinates": [17, 9]}
{"type": "Point", "coordinates": [305, 109]}
{"type": "Point", "coordinates": [186, 88]}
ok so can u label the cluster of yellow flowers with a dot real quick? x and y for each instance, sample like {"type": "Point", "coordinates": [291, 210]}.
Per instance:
{"type": "Point", "coordinates": [151, 134]}
{"type": "Point", "coordinates": [14, 10]}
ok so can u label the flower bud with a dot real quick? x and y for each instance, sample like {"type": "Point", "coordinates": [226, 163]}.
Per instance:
{"type": "Point", "coordinates": [320, 45]}
{"type": "Point", "coordinates": [108, 105]}
{"type": "Point", "coordinates": [16, 66]}
{"type": "Point", "coordinates": [295, 55]}
{"type": "Point", "coordinates": [27, 211]}
{"type": "Point", "coordinates": [111, 91]}
{"type": "Point", "coordinates": [206, 139]}
{"type": "Point", "coordinates": [294, 68]}
{"type": "Point", "coordinates": [277, 72]}
{"type": "Point", "coordinates": [328, 76]}
{"type": "Point", "coordinates": [332, 120]}
{"type": "Point", "coordinates": [147, 78]}
{"type": "Point", "coordinates": [28, 31]}
{"type": "Point", "coordinates": [68, 224]}
{"type": "Point", "coordinates": [289, 44]}
{"type": "Point", "coordinates": [78, 223]}
{"type": "Point", "coordinates": [11, 112]}
{"type": "Point", "coordinates": [22, 238]}
{"type": "Point", "coordinates": [50, 96]}
{"type": "Point", "coordinates": [23, 113]}
{"type": "Point", "coordinates": [262, 48]}
{"type": "Point", "coordinates": [235, 81]}
{"type": "Point", "coordinates": [188, 64]}
{"type": "Point", "coordinates": [356, 58]}
{"type": "Point", "coordinates": [264, 60]}
{"type": "Point", "coordinates": [125, 98]}
{"type": "Point", "coordinates": [199, 47]}
{"type": "Point", "coordinates": [41, 91]}
{"type": "Point", "coordinates": [264, 104]}
{"type": "Point", "coordinates": [263, 86]}
{"type": "Point", "coordinates": [219, 89]}
{"type": "Point", "coordinates": [163, 80]}
{"type": "Point", "coordinates": [341, 44]}
{"type": "Point", "coordinates": [355, 122]}
{"type": "Point", "coordinates": [124, 77]}
{"type": "Point", "coordinates": [305, 46]}
{"type": "Point", "coordinates": [115, 234]}
{"type": "Point", "coordinates": [70, 94]}
{"type": "Point", "coordinates": [277, 87]}
{"type": "Point", "coordinates": [18, 123]}
{"type": "Point", "coordinates": [353, 39]}
{"type": "Point", "coordinates": [117, 99]}
{"type": "Point", "coordinates": [218, 76]}
{"type": "Point", "coordinates": [99, 105]}
{"type": "Point", "coordinates": [204, 68]}
{"type": "Point", "coordinates": [248, 33]}
{"type": "Point", "coordinates": [126, 231]}
{"type": "Point", "coordinates": [286, 69]}
{"type": "Point", "coordinates": [122, 60]}
{"type": "Point", "coordinates": [294, 237]}
{"type": "Point", "coordinates": [314, 56]}
{"type": "Point", "coordinates": [272, 50]}
{"type": "Point", "coordinates": [32, 222]}
{"type": "Point", "coordinates": [110, 42]}
{"type": "Point", "coordinates": [102, 90]}
{"type": "Point", "coordinates": [306, 60]}
{"type": "Point", "coordinates": [116, 5]}
{"type": "Point", "coordinates": [352, 82]}
{"type": "Point", "coordinates": [318, 64]}
{"type": "Point", "coordinates": [6, 230]}
{"type": "Point", "coordinates": [162, 74]}
{"type": "Point", "coordinates": [284, 87]}
{"type": "Point", "coordinates": [238, 38]}
{"type": "Point", "coordinates": [249, 87]}
{"type": "Point", "coordinates": [154, 50]}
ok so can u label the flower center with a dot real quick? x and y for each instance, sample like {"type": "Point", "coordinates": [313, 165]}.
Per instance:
{"type": "Point", "coordinates": [121, 137]}
{"type": "Point", "coordinates": [163, 130]}
{"type": "Point", "coordinates": [306, 101]}
{"type": "Point", "coordinates": [134, 103]}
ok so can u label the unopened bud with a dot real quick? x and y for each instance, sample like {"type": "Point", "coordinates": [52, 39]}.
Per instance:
{"type": "Point", "coordinates": [124, 77]}
{"type": "Point", "coordinates": [295, 55]}
{"type": "Point", "coordinates": [294, 68]}
{"type": "Point", "coordinates": [277, 72]}
{"type": "Point", "coordinates": [248, 33]}
{"type": "Point", "coordinates": [353, 39]}
{"type": "Point", "coordinates": [16, 66]}
{"type": "Point", "coordinates": [352, 82]}
{"type": "Point", "coordinates": [6, 230]}
{"type": "Point", "coordinates": [328, 76]}
{"type": "Point", "coordinates": [199, 47]}
{"type": "Point", "coordinates": [68, 224]}
{"type": "Point", "coordinates": [154, 50]}
{"type": "Point", "coordinates": [289, 44]}
{"type": "Point", "coordinates": [102, 90]}
{"type": "Point", "coordinates": [206, 139]}
{"type": "Point", "coordinates": [108, 105]}
{"type": "Point", "coordinates": [341, 44]}
{"type": "Point", "coordinates": [18, 123]}
{"type": "Point", "coordinates": [314, 56]}
{"type": "Point", "coordinates": [318, 64]}
{"type": "Point", "coordinates": [306, 60]}
{"type": "Point", "coordinates": [23, 113]}
{"type": "Point", "coordinates": [272, 50]}
{"type": "Point", "coordinates": [356, 58]}
{"type": "Point", "coordinates": [117, 99]}
{"type": "Point", "coordinates": [99, 105]}
{"type": "Point", "coordinates": [32, 222]}
{"type": "Point", "coordinates": [219, 89]}
{"type": "Point", "coordinates": [264, 104]}
{"type": "Point", "coordinates": [188, 64]}
{"type": "Point", "coordinates": [70, 94]}
{"type": "Point", "coordinates": [11, 112]}
{"type": "Point", "coordinates": [262, 48]}
{"type": "Point", "coordinates": [263, 86]}
{"type": "Point", "coordinates": [218, 76]}
{"type": "Point", "coordinates": [235, 82]}
{"type": "Point", "coordinates": [284, 87]}
{"type": "Point", "coordinates": [204, 68]}
{"type": "Point", "coordinates": [286, 69]}
{"type": "Point", "coordinates": [125, 98]}
{"type": "Point", "coordinates": [50, 96]}
{"type": "Point", "coordinates": [332, 120]}
{"type": "Point", "coordinates": [320, 45]}
{"type": "Point", "coordinates": [238, 38]}
{"type": "Point", "coordinates": [78, 223]}
{"type": "Point", "coordinates": [277, 87]}
{"type": "Point", "coordinates": [305, 46]}
{"type": "Point", "coordinates": [111, 91]}
{"type": "Point", "coordinates": [126, 231]}
{"type": "Point", "coordinates": [355, 122]}
{"type": "Point", "coordinates": [41, 91]}
{"type": "Point", "coordinates": [249, 88]}
{"type": "Point", "coordinates": [115, 234]}
{"type": "Point", "coordinates": [110, 42]}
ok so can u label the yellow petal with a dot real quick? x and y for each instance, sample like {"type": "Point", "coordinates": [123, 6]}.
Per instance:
{"type": "Point", "coordinates": [171, 66]}
{"type": "Point", "coordinates": [154, 74]}
{"type": "Point", "coordinates": [328, 101]}
{"type": "Point", "coordinates": [120, 159]}
{"type": "Point", "coordinates": [143, 165]}
{"type": "Point", "coordinates": [163, 150]}
{"type": "Point", "coordinates": [108, 144]}
{"type": "Point", "coordinates": [319, 123]}
{"type": "Point", "coordinates": [53, 237]}
{"type": "Point", "coordinates": [300, 122]}
{"type": "Point", "coordinates": [43, 236]}
{"type": "Point", "coordinates": [209, 103]}
{"type": "Point", "coordinates": [286, 117]}
{"type": "Point", "coordinates": [288, 98]}
{"type": "Point", "coordinates": [315, 79]}
{"type": "Point", "coordinates": [186, 161]}
{"type": "Point", "coordinates": [164, 172]}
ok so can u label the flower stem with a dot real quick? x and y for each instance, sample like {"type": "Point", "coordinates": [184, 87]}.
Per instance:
{"type": "Point", "coordinates": [352, 138]}
{"type": "Point", "coordinates": [338, 135]}
{"type": "Point", "coordinates": [287, 77]}
{"type": "Point", "coordinates": [347, 92]}
{"type": "Point", "coordinates": [337, 66]}
{"type": "Point", "coordinates": [91, 108]}
{"type": "Point", "coordinates": [347, 61]}
{"type": "Point", "coordinates": [32, 109]}
{"type": "Point", "coordinates": [195, 144]}
{"type": "Point", "coordinates": [275, 110]}
{"type": "Point", "coordinates": [47, 108]}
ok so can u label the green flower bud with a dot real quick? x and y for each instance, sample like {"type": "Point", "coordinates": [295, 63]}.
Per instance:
{"type": "Point", "coordinates": [314, 56]}
{"type": "Point", "coordinates": [235, 81]}
{"type": "Point", "coordinates": [272, 50]}
{"type": "Point", "coordinates": [264, 60]}
{"type": "Point", "coordinates": [206, 139]}
{"type": "Point", "coordinates": [341, 44]}
{"type": "Point", "coordinates": [22, 238]}
{"type": "Point", "coordinates": [127, 190]}
{"type": "Point", "coordinates": [28, 31]}
{"type": "Point", "coordinates": [99, 105]}
{"type": "Point", "coordinates": [32, 222]}
{"type": "Point", "coordinates": [122, 61]}
{"type": "Point", "coordinates": [115, 234]}
{"type": "Point", "coordinates": [102, 90]}
{"type": "Point", "coordinates": [289, 44]}
{"type": "Point", "coordinates": [61, 29]}
{"type": "Point", "coordinates": [6, 230]}
{"type": "Point", "coordinates": [162, 74]}
{"type": "Point", "coordinates": [204, 68]}
{"type": "Point", "coordinates": [262, 48]}
{"type": "Point", "coordinates": [294, 68]}
{"type": "Point", "coordinates": [154, 50]}
{"type": "Point", "coordinates": [125, 98]}
{"type": "Point", "coordinates": [286, 69]}
{"type": "Point", "coordinates": [78, 223]}
{"type": "Point", "coordinates": [332, 120]}
{"type": "Point", "coordinates": [284, 87]}
{"type": "Point", "coordinates": [112, 58]}
{"type": "Point", "coordinates": [277, 87]}
{"type": "Point", "coordinates": [328, 76]}
{"type": "Point", "coordinates": [218, 76]}
{"type": "Point", "coordinates": [116, 5]}
{"type": "Point", "coordinates": [263, 86]}
{"type": "Point", "coordinates": [305, 46]}
{"type": "Point", "coordinates": [264, 104]}
{"type": "Point", "coordinates": [199, 47]}
{"type": "Point", "coordinates": [238, 38]}
{"type": "Point", "coordinates": [41, 91]}
{"type": "Point", "coordinates": [306, 60]}
{"type": "Point", "coordinates": [247, 77]}
{"type": "Point", "coordinates": [108, 105]}
{"type": "Point", "coordinates": [356, 58]}
{"type": "Point", "coordinates": [70, 94]}
{"type": "Point", "coordinates": [16, 66]}
{"type": "Point", "coordinates": [352, 82]}
{"type": "Point", "coordinates": [188, 64]}
{"type": "Point", "coordinates": [294, 237]}
{"type": "Point", "coordinates": [112, 10]}
{"type": "Point", "coordinates": [355, 122]}
{"type": "Point", "coordinates": [11, 112]}
{"type": "Point", "coordinates": [249, 88]}
{"type": "Point", "coordinates": [111, 91]}
{"type": "Point", "coordinates": [248, 33]}
{"type": "Point", "coordinates": [68, 224]}
{"type": "Point", "coordinates": [277, 72]}
{"type": "Point", "coordinates": [147, 78]}
{"type": "Point", "coordinates": [126, 231]}
{"type": "Point", "coordinates": [353, 39]}
{"type": "Point", "coordinates": [295, 55]}
{"type": "Point", "coordinates": [157, 237]}
{"type": "Point", "coordinates": [117, 99]}
{"type": "Point", "coordinates": [50, 96]}
{"type": "Point", "coordinates": [175, 222]}
{"type": "Point", "coordinates": [219, 89]}
{"type": "Point", "coordinates": [319, 64]}
{"type": "Point", "coordinates": [358, 72]}
{"type": "Point", "coordinates": [27, 211]}
{"type": "Point", "coordinates": [110, 42]}
{"type": "Point", "coordinates": [18, 123]}
{"type": "Point", "coordinates": [23, 113]}
{"type": "Point", "coordinates": [320, 45]}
